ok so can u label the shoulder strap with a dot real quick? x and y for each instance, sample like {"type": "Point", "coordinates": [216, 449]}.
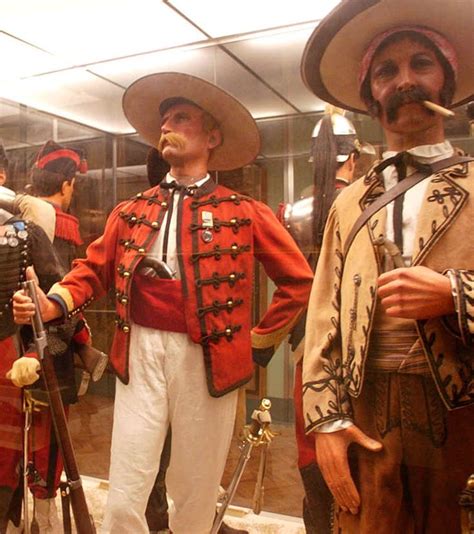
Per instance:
{"type": "Point", "coordinates": [5, 216]}
{"type": "Point", "coordinates": [398, 190]}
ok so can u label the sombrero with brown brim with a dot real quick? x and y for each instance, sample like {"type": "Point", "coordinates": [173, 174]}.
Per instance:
{"type": "Point", "coordinates": [241, 140]}
{"type": "Point", "coordinates": [332, 57]}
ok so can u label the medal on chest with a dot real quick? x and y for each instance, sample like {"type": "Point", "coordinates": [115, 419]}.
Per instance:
{"type": "Point", "coordinates": [207, 225]}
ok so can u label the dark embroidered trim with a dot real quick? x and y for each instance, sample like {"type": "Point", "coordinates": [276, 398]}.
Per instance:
{"type": "Point", "coordinates": [217, 306]}
{"type": "Point", "coordinates": [453, 396]}
{"type": "Point", "coordinates": [122, 298]}
{"type": "Point", "coordinates": [451, 199]}
{"type": "Point", "coordinates": [150, 199]}
{"type": "Point", "coordinates": [122, 271]}
{"type": "Point", "coordinates": [464, 289]}
{"type": "Point", "coordinates": [122, 324]}
{"type": "Point", "coordinates": [215, 201]}
{"type": "Point", "coordinates": [235, 223]}
{"type": "Point", "coordinates": [218, 252]}
{"type": "Point", "coordinates": [450, 192]}
{"type": "Point", "coordinates": [217, 280]}
{"type": "Point", "coordinates": [130, 244]}
{"type": "Point", "coordinates": [216, 335]}
{"type": "Point", "coordinates": [132, 219]}
{"type": "Point", "coordinates": [353, 321]}
{"type": "Point", "coordinates": [372, 174]}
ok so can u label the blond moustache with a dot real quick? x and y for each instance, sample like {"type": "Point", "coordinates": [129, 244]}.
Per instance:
{"type": "Point", "coordinates": [173, 139]}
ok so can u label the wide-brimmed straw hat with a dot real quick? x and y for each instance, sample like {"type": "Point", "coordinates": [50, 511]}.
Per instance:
{"type": "Point", "coordinates": [333, 54]}
{"type": "Point", "coordinates": [241, 139]}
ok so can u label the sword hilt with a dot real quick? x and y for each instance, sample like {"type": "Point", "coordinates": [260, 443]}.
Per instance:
{"type": "Point", "coordinates": [258, 431]}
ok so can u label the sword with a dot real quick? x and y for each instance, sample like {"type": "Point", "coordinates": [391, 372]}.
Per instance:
{"type": "Point", "coordinates": [27, 409]}
{"type": "Point", "coordinates": [30, 405]}
{"type": "Point", "coordinates": [259, 492]}
{"type": "Point", "coordinates": [256, 434]}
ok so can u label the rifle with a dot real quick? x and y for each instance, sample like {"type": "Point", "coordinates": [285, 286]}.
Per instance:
{"type": "Point", "coordinates": [82, 518]}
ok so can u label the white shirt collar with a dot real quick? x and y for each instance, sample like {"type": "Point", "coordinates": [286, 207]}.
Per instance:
{"type": "Point", "coordinates": [170, 178]}
{"type": "Point", "coordinates": [428, 153]}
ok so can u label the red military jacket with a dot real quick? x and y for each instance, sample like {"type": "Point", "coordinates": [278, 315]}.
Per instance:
{"type": "Point", "coordinates": [217, 277]}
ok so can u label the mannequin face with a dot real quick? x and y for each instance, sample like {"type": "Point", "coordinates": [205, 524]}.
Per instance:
{"type": "Point", "coordinates": [195, 143]}
{"type": "Point", "coordinates": [401, 67]}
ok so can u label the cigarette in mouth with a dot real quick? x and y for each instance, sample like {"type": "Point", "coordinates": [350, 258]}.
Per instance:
{"type": "Point", "coordinates": [438, 109]}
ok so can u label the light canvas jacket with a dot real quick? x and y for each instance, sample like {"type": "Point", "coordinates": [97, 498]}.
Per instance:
{"type": "Point", "coordinates": [343, 301]}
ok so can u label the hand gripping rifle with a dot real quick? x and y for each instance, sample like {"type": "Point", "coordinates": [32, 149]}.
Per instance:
{"type": "Point", "coordinates": [83, 520]}
{"type": "Point", "coordinates": [256, 434]}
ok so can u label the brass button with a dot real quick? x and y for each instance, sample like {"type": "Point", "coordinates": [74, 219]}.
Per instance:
{"type": "Point", "coordinates": [228, 332]}
{"type": "Point", "coordinates": [232, 276]}
{"type": "Point", "coordinates": [141, 250]}
{"type": "Point", "coordinates": [124, 300]}
{"type": "Point", "coordinates": [155, 224]}
{"type": "Point", "coordinates": [126, 274]}
{"type": "Point", "coordinates": [164, 204]}
{"type": "Point", "coordinates": [125, 329]}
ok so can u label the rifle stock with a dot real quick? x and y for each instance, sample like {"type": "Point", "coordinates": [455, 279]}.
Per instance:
{"type": "Point", "coordinates": [82, 518]}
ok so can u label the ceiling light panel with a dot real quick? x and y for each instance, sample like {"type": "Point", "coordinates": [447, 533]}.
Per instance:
{"type": "Point", "coordinates": [198, 62]}
{"type": "Point", "coordinates": [283, 71]}
{"type": "Point", "coordinates": [84, 31]}
{"type": "Point", "coordinates": [235, 17]}
{"type": "Point", "coordinates": [211, 64]}
{"type": "Point", "coordinates": [76, 95]}
{"type": "Point", "coordinates": [20, 59]}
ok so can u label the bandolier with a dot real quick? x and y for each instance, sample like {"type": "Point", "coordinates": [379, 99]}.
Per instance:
{"type": "Point", "coordinates": [22, 243]}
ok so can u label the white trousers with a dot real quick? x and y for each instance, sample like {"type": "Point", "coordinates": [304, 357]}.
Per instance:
{"type": "Point", "coordinates": [167, 386]}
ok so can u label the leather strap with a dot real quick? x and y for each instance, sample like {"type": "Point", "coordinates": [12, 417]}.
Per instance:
{"type": "Point", "coordinates": [398, 190]}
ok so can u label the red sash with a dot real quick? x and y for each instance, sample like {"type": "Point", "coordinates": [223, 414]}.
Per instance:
{"type": "Point", "coordinates": [158, 303]}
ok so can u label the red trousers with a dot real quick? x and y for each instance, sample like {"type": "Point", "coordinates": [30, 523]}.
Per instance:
{"type": "Point", "coordinates": [44, 458]}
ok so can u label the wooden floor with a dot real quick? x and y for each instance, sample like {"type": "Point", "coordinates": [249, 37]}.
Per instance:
{"type": "Point", "coordinates": [91, 424]}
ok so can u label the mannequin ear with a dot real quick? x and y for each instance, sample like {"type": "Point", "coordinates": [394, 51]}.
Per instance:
{"type": "Point", "coordinates": [215, 139]}
{"type": "Point", "coordinates": [66, 184]}
{"type": "Point", "coordinates": [352, 161]}
{"type": "Point", "coordinates": [64, 187]}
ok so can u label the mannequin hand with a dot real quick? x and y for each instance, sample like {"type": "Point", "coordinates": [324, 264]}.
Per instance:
{"type": "Point", "coordinates": [331, 456]}
{"type": "Point", "coordinates": [24, 371]}
{"type": "Point", "coordinates": [24, 309]}
{"type": "Point", "coordinates": [415, 293]}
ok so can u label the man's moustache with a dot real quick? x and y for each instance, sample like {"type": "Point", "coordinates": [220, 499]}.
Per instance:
{"type": "Point", "coordinates": [398, 99]}
{"type": "Point", "coordinates": [172, 139]}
